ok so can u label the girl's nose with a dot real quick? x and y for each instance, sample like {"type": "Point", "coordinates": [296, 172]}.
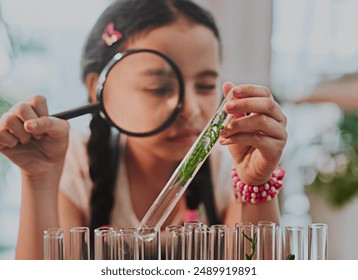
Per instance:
{"type": "Point", "coordinates": [191, 107]}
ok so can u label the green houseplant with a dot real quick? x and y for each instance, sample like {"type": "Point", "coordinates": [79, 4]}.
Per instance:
{"type": "Point", "coordinates": [340, 186]}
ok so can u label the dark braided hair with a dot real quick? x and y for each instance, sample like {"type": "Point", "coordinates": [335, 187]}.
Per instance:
{"type": "Point", "coordinates": [130, 17]}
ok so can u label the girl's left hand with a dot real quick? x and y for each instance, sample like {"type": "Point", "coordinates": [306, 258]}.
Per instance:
{"type": "Point", "coordinates": [256, 140]}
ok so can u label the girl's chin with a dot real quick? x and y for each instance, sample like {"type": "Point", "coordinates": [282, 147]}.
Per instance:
{"type": "Point", "coordinates": [185, 141]}
{"type": "Point", "coordinates": [177, 153]}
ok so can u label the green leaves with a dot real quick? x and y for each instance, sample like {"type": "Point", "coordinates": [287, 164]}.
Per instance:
{"type": "Point", "coordinates": [203, 147]}
{"type": "Point", "coordinates": [253, 242]}
{"type": "Point", "coordinates": [340, 185]}
{"type": "Point", "coordinates": [290, 257]}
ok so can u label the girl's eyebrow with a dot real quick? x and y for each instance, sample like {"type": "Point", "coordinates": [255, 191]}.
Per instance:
{"type": "Point", "coordinates": [207, 73]}
{"type": "Point", "coordinates": [159, 72]}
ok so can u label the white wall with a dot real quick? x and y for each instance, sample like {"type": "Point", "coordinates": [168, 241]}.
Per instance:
{"type": "Point", "coordinates": [245, 27]}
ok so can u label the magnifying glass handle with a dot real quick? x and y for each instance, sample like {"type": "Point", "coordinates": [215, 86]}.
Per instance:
{"type": "Point", "coordinates": [79, 111]}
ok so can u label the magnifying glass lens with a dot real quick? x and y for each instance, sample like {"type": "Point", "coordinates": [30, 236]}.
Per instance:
{"type": "Point", "coordinates": [141, 92]}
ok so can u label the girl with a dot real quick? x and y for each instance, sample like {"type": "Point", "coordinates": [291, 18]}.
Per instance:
{"type": "Point", "coordinates": [104, 179]}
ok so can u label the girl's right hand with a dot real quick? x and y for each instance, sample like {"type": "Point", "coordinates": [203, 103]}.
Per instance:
{"type": "Point", "coordinates": [31, 139]}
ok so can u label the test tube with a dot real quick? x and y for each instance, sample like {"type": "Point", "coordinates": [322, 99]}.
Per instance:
{"type": "Point", "coordinates": [317, 241]}
{"type": "Point", "coordinates": [175, 242]}
{"type": "Point", "coordinates": [191, 239]}
{"type": "Point", "coordinates": [127, 244]}
{"type": "Point", "coordinates": [220, 249]}
{"type": "Point", "coordinates": [187, 169]}
{"type": "Point", "coordinates": [202, 244]}
{"type": "Point", "coordinates": [245, 241]}
{"type": "Point", "coordinates": [266, 240]}
{"type": "Point", "coordinates": [278, 243]}
{"type": "Point", "coordinates": [104, 243]}
{"type": "Point", "coordinates": [149, 243]}
{"type": "Point", "coordinates": [294, 243]}
{"type": "Point", "coordinates": [79, 243]}
{"type": "Point", "coordinates": [54, 244]}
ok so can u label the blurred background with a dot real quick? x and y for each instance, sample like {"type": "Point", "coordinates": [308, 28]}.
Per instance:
{"type": "Point", "coordinates": [306, 51]}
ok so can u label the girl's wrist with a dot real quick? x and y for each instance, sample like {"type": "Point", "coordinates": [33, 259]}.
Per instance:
{"type": "Point", "coordinates": [261, 192]}
{"type": "Point", "coordinates": [44, 182]}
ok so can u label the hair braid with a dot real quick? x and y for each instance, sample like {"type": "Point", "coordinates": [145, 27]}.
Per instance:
{"type": "Point", "coordinates": [103, 153]}
{"type": "Point", "coordinates": [201, 190]}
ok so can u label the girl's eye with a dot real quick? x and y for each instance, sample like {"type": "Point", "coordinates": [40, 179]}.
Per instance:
{"type": "Point", "coordinates": [162, 91]}
{"type": "Point", "coordinates": [206, 88]}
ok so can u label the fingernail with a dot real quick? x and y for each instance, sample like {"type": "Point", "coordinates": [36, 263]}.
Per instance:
{"type": "Point", "coordinates": [238, 93]}
{"type": "Point", "coordinates": [32, 124]}
{"type": "Point", "coordinates": [229, 108]}
{"type": "Point", "coordinates": [222, 140]}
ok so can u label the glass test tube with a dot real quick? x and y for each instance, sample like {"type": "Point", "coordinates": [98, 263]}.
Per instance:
{"type": "Point", "coordinates": [202, 243]}
{"type": "Point", "coordinates": [79, 243]}
{"type": "Point", "coordinates": [317, 241]}
{"type": "Point", "coordinates": [54, 244]}
{"type": "Point", "coordinates": [127, 244]}
{"type": "Point", "coordinates": [278, 243]}
{"type": "Point", "coordinates": [191, 239]}
{"type": "Point", "coordinates": [220, 249]}
{"type": "Point", "coordinates": [294, 243]}
{"type": "Point", "coordinates": [175, 242]}
{"type": "Point", "coordinates": [149, 243]}
{"type": "Point", "coordinates": [245, 241]}
{"type": "Point", "coordinates": [104, 243]}
{"type": "Point", "coordinates": [266, 240]}
{"type": "Point", "coordinates": [187, 169]}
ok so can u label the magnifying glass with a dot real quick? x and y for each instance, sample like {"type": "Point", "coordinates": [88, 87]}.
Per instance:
{"type": "Point", "coordinates": [139, 92]}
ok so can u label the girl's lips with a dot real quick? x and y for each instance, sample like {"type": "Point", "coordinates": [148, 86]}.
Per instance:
{"type": "Point", "coordinates": [185, 137]}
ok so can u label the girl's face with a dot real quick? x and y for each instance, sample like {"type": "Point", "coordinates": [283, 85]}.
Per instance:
{"type": "Point", "coordinates": [195, 50]}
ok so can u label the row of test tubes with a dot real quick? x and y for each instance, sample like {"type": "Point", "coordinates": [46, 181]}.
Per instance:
{"type": "Point", "coordinates": [193, 241]}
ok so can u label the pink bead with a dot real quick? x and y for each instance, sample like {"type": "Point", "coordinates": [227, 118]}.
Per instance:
{"type": "Point", "coordinates": [259, 193]}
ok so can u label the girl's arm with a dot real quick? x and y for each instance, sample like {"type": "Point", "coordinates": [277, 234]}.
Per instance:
{"type": "Point", "coordinates": [37, 144]}
{"type": "Point", "coordinates": [38, 212]}
{"type": "Point", "coordinates": [256, 137]}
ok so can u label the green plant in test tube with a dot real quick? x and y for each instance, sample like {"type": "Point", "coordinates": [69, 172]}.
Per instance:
{"type": "Point", "coordinates": [203, 147]}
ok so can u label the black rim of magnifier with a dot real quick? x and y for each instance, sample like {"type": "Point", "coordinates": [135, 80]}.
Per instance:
{"type": "Point", "coordinates": [102, 80]}
{"type": "Point", "coordinates": [98, 106]}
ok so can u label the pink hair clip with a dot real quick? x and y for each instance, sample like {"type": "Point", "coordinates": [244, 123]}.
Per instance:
{"type": "Point", "coordinates": [110, 35]}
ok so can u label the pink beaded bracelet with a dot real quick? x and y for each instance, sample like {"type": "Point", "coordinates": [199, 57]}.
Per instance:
{"type": "Point", "coordinates": [259, 193]}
